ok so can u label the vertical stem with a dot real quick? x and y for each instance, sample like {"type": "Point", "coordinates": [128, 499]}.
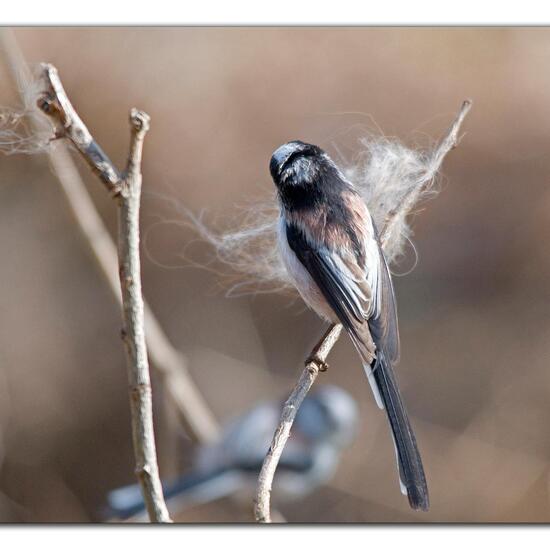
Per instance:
{"type": "Point", "coordinates": [133, 332]}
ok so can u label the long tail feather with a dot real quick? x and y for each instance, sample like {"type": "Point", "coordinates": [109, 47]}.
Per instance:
{"type": "Point", "coordinates": [411, 471]}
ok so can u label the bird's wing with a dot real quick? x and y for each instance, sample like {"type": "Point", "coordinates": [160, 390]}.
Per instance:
{"type": "Point", "coordinates": [246, 440]}
{"type": "Point", "coordinates": [383, 323]}
{"type": "Point", "coordinates": [356, 285]}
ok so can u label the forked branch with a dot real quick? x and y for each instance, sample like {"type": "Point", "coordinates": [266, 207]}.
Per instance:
{"type": "Point", "coordinates": [126, 188]}
{"type": "Point", "coordinates": [182, 393]}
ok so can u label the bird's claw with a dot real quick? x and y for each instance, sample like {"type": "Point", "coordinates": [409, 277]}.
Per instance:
{"type": "Point", "coordinates": [314, 361]}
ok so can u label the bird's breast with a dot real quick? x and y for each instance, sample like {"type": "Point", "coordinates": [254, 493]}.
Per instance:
{"type": "Point", "coordinates": [300, 277]}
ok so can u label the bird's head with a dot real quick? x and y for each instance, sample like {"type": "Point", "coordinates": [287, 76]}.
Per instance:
{"type": "Point", "coordinates": [304, 174]}
{"type": "Point", "coordinates": [296, 163]}
{"type": "Point", "coordinates": [329, 414]}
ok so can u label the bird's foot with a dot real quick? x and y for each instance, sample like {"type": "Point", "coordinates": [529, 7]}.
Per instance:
{"type": "Point", "coordinates": [315, 362]}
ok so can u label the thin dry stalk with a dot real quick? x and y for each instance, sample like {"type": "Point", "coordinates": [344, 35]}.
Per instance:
{"type": "Point", "coordinates": [449, 142]}
{"type": "Point", "coordinates": [312, 368]}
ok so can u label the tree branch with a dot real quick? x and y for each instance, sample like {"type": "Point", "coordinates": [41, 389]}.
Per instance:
{"type": "Point", "coordinates": [449, 142]}
{"type": "Point", "coordinates": [55, 103]}
{"type": "Point", "coordinates": [127, 190]}
{"type": "Point", "coordinates": [182, 392]}
{"type": "Point", "coordinates": [312, 368]}
{"type": "Point", "coordinates": [133, 331]}
{"type": "Point", "coordinates": [316, 362]}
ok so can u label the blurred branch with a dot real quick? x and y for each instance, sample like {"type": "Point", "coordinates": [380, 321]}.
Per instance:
{"type": "Point", "coordinates": [127, 190]}
{"type": "Point", "coordinates": [316, 362]}
{"type": "Point", "coordinates": [314, 365]}
{"type": "Point", "coordinates": [449, 142]}
{"type": "Point", "coordinates": [192, 410]}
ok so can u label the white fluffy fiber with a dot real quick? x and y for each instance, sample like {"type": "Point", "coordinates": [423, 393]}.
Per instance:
{"type": "Point", "coordinates": [384, 173]}
{"type": "Point", "coordinates": [25, 129]}
{"type": "Point", "coordinates": [249, 251]}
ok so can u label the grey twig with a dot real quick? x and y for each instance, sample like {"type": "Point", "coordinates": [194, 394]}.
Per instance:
{"type": "Point", "coordinates": [182, 392]}
{"type": "Point", "coordinates": [449, 142]}
{"type": "Point", "coordinates": [316, 362]}
{"type": "Point", "coordinates": [127, 190]}
{"type": "Point", "coordinates": [54, 102]}
{"type": "Point", "coordinates": [133, 331]}
{"type": "Point", "coordinates": [313, 366]}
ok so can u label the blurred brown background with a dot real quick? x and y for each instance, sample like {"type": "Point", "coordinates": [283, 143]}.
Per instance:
{"type": "Point", "coordinates": [475, 324]}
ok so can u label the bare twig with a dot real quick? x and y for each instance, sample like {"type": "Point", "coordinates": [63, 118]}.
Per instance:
{"type": "Point", "coordinates": [133, 331]}
{"type": "Point", "coordinates": [449, 142]}
{"type": "Point", "coordinates": [127, 190]}
{"type": "Point", "coordinates": [312, 368]}
{"type": "Point", "coordinates": [56, 104]}
{"type": "Point", "coordinates": [320, 352]}
{"type": "Point", "coordinates": [186, 398]}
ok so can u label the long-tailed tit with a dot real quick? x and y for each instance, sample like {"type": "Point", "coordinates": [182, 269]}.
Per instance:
{"type": "Point", "coordinates": [332, 252]}
{"type": "Point", "coordinates": [325, 424]}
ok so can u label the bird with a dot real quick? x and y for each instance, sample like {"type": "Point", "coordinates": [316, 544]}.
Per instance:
{"type": "Point", "coordinates": [332, 252]}
{"type": "Point", "coordinates": [325, 425]}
